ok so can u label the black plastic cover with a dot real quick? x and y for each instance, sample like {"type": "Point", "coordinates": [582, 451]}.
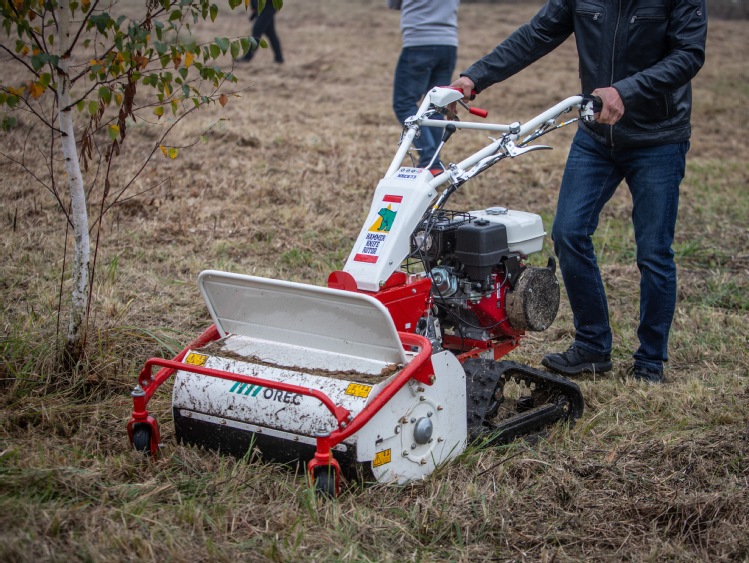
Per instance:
{"type": "Point", "coordinates": [480, 245]}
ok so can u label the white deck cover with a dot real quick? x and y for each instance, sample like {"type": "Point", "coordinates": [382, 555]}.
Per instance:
{"type": "Point", "coordinates": [295, 324]}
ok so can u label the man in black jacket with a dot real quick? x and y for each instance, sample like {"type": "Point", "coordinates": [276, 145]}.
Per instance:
{"type": "Point", "coordinates": [639, 57]}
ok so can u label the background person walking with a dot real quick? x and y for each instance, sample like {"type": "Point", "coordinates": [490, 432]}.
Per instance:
{"type": "Point", "coordinates": [429, 29]}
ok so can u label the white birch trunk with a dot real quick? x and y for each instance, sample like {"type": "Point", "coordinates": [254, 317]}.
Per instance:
{"type": "Point", "coordinates": [75, 336]}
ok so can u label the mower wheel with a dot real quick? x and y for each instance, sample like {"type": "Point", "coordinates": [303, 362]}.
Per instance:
{"type": "Point", "coordinates": [325, 481]}
{"type": "Point", "coordinates": [142, 438]}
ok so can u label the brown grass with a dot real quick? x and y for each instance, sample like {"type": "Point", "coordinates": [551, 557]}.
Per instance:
{"type": "Point", "coordinates": [279, 190]}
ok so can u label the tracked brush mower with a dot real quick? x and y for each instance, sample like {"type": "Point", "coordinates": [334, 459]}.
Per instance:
{"type": "Point", "coordinates": [396, 365]}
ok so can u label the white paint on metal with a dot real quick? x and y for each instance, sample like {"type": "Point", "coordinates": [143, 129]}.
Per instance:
{"type": "Point", "coordinates": [416, 194]}
{"type": "Point", "coordinates": [392, 428]}
{"type": "Point", "coordinates": [314, 324]}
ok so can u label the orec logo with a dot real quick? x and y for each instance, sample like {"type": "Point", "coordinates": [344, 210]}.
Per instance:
{"type": "Point", "coordinates": [247, 389]}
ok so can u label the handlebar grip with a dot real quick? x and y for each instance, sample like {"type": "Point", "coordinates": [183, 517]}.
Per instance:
{"type": "Point", "coordinates": [596, 101]}
{"type": "Point", "coordinates": [478, 111]}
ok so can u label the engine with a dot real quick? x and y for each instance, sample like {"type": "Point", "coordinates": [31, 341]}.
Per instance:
{"type": "Point", "coordinates": [481, 288]}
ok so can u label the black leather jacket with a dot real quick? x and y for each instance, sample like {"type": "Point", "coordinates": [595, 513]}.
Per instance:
{"type": "Point", "coordinates": [649, 50]}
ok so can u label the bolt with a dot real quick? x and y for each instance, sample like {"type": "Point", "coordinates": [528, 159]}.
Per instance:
{"type": "Point", "coordinates": [430, 413]}
{"type": "Point", "coordinates": [432, 379]}
{"type": "Point", "coordinates": [422, 398]}
{"type": "Point", "coordinates": [405, 453]}
{"type": "Point", "coordinates": [413, 446]}
{"type": "Point", "coordinates": [397, 429]}
{"type": "Point", "coordinates": [440, 407]}
{"type": "Point", "coordinates": [440, 440]}
{"type": "Point", "coordinates": [420, 389]}
{"type": "Point", "coordinates": [423, 462]}
{"type": "Point", "coordinates": [413, 420]}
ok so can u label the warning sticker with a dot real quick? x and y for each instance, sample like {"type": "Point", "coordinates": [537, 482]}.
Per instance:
{"type": "Point", "coordinates": [196, 359]}
{"type": "Point", "coordinates": [381, 458]}
{"type": "Point", "coordinates": [379, 230]}
{"type": "Point", "coordinates": [358, 390]}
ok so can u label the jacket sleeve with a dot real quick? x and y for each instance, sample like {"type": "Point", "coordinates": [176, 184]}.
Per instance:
{"type": "Point", "coordinates": [547, 30]}
{"type": "Point", "coordinates": [394, 4]}
{"type": "Point", "coordinates": [686, 36]}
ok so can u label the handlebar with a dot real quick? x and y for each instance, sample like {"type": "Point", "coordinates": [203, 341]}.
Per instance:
{"type": "Point", "coordinates": [440, 98]}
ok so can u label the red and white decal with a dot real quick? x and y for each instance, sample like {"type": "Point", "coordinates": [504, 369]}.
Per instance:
{"type": "Point", "coordinates": [377, 234]}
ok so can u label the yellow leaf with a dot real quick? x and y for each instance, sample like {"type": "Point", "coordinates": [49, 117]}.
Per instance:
{"type": "Point", "coordinates": [25, 50]}
{"type": "Point", "coordinates": [17, 91]}
{"type": "Point", "coordinates": [35, 90]}
{"type": "Point", "coordinates": [118, 99]}
{"type": "Point", "coordinates": [85, 4]}
{"type": "Point", "coordinates": [223, 99]}
{"type": "Point", "coordinates": [163, 149]}
{"type": "Point", "coordinates": [188, 59]}
{"type": "Point", "coordinates": [172, 152]}
{"type": "Point", "coordinates": [158, 110]}
{"type": "Point", "coordinates": [114, 130]}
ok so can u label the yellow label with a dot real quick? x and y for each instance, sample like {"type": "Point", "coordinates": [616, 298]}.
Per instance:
{"type": "Point", "coordinates": [381, 458]}
{"type": "Point", "coordinates": [358, 390]}
{"type": "Point", "coordinates": [196, 359]}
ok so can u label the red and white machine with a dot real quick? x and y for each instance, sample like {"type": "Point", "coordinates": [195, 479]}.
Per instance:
{"type": "Point", "coordinates": [395, 366]}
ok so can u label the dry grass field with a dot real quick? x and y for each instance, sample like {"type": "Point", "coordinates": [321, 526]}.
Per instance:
{"type": "Point", "coordinates": [279, 189]}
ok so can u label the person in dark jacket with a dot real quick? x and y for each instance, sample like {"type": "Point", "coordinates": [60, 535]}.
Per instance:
{"type": "Point", "coordinates": [264, 25]}
{"type": "Point", "coordinates": [639, 57]}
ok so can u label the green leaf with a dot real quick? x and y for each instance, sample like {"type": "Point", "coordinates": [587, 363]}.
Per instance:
{"type": "Point", "coordinates": [235, 49]}
{"type": "Point", "coordinates": [175, 15]}
{"type": "Point", "coordinates": [174, 107]}
{"type": "Point", "coordinates": [160, 47]}
{"type": "Point", "coordinates": [8, 123]}
{"type": "Point", "coordinates": [214, 50]}
{"type": "Point", "coordinates": [278, 4]}
{"type": "Point", "coordinates": [80, 105]}
{"type": "Point", "coordinates": [93, 107]}
{"type": "Point", "coordinates": [214, 12]}
{"type": "Point", "coordinates": [36, 61]}
{"type": "Point", "coordinates": [223, 43]}
{"type": "Point", "coordinates": [159, 110]}
{"type": "Point", "coordinates": [105, 94]}
{"type": "Point", "coordinates": [234, 3]}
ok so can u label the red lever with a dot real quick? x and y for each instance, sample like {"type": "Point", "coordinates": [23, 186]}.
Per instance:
{"type": "Point", "coordinates": [478, 111]}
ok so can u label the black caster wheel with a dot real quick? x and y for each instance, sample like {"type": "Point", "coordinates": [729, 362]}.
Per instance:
{"type": "Point", "coordinates": [325, 482]}
{"type": "Point", "coordinates": [142, 438]}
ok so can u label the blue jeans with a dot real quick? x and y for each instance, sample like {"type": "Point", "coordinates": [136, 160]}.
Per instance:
{"type": "Point", "coordinates": [592, 174]}
{"type": "Point", "coordinates": [418, 70]}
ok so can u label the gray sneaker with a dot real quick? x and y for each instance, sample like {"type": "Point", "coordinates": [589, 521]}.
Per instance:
{"type": "Point", "coordinates": [577, 360]}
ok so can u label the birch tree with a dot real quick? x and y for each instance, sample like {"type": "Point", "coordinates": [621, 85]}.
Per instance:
{"type": "Point", "coordinates": [77, 67]}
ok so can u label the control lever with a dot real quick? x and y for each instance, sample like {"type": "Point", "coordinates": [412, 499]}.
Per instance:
{"type": "Point", "coordinates": [446, 134]}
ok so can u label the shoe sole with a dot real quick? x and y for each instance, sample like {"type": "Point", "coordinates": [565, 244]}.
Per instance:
{"type": "Point", "coordinates": [592, 367]}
